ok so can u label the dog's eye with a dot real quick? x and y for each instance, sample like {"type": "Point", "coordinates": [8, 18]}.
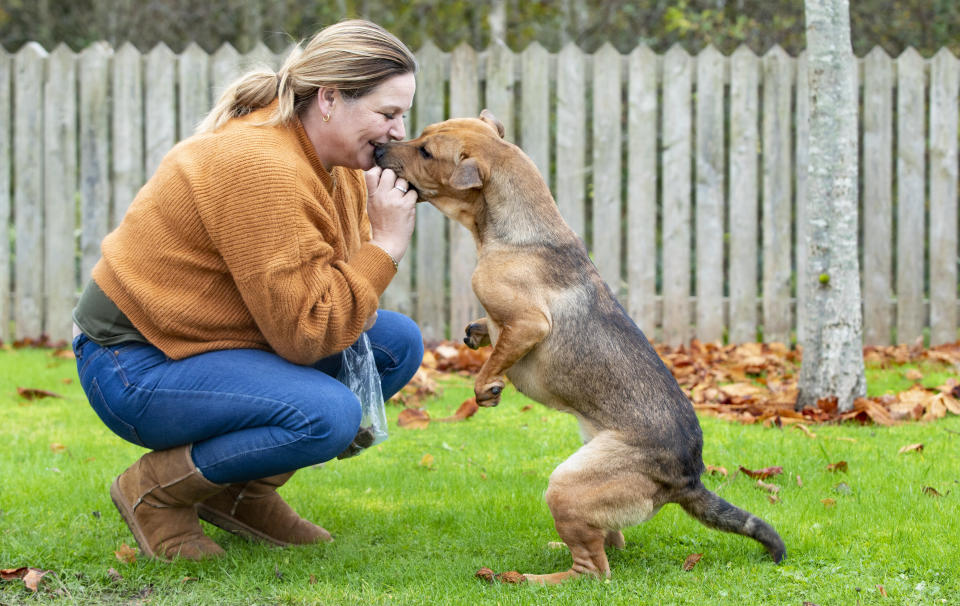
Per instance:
{"type": "Point", "coordinates": [424, 152]}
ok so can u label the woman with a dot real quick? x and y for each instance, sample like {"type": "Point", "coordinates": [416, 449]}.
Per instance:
{"type": "Point", "coordinates": [212, 330]}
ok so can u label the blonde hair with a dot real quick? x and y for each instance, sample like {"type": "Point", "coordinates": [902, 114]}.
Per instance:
{"type": "Point", "coordinates": [352, 56]}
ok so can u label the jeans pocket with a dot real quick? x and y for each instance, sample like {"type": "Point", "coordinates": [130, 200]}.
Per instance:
{"type": "Point", "coordinates": [106, 414]}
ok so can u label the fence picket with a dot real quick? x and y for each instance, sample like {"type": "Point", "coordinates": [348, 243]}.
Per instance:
{"type": "Point", "coordinates": [6, 70]}
{"type": "Point", "coordinates": [709, 195]}
{"type": "Point", "coordinates": [535, 106]}
{"type": "Point", "coordinates": [571, 137]}
{"type": "Point", "coordinates": [744, 194]}
{"type": "Point", "coordinates": [606, 163]}
{"type": "Point", "coordinates": [194, 90]}
{"type": "Point", "coordinates": [127, 116]}
{"type": "Point", "coordinates": [500, 85]}
{"type": "Point", "coordinates": [160, 129]}
{"type": "Point", "coordinates": [464, 102]}
{"type": "Point", "coordinates": [777, 221]}
{"type": "Point", "coordinates": [431, 224]}
{"type": "Point", "coordinates": [225, 67]}
{"type": "Point", "coordinates": [642, 188]}
{"type": "Point", "coordinates": [910, 195]}
{"type": "Point", "coordinates": [944, 88]}
{"type": "Point", "coordinates": [95, 153]}
{"type": "Point", "coordinates": [677, 144]}
{"type": "Point", "coordinates": [60, 186]}
{"type": "Point", "coordinates": [28, 194]}
{"type": "Point", "coordinates": [877, 197]}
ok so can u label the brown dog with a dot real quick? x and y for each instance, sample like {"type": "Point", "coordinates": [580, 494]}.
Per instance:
{"type": "Point", "coordinates": [562, 338]}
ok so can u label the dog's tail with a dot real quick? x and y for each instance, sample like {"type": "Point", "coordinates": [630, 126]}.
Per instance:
{"type": "Point", "coordinates": [714, 512]}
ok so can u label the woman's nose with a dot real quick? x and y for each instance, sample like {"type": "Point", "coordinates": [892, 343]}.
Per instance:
{"type": "Point", "coordinates": [398, 131]}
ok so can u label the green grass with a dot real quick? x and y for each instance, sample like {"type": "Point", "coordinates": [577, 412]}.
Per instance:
{"type": "Point", "coordinates": [411, 534]}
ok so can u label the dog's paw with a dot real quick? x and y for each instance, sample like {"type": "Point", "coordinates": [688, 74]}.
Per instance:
{"type": "Point", "coordinates": [489, 394]}
{"type": "Point", "coordinates": [476, 335]}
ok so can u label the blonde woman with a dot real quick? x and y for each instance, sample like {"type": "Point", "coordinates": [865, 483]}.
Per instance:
{"type": "Point", "coordinates": [212, 330]}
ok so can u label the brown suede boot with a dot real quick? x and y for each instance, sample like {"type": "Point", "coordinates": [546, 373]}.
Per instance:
{"type": "Point", "coordinates": [255, 510]}
{"type": "Point", "coordinates": [156, 497]}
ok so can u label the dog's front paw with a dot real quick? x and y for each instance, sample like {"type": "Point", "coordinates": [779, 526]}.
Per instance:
{"type": "Point", "coordinates": [489, 394]}
{"type": "Point", "coordinates": [476, 335]}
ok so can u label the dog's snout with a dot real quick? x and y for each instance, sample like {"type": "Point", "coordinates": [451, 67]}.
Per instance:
{"type": "Point", "coordinates": [378, 152]}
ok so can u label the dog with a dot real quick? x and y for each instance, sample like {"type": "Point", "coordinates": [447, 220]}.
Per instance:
{"type": "Point", "coordinates": [562, 338]}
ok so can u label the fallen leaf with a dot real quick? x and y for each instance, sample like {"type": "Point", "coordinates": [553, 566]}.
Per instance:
{"type": "Point", "coordinates": [486, 574]}
{"type": "Point", "coordinates": [530, 406]}
{"type": "Point", "coordinates": [913, 375]}
{"type": "Point", "coordinates": [716, 470]}
{"type": "Point", "coordinates": [771, 488]}
{"type": "Point", "coordinates": [465, 411]}
{"type": "Point", "coordinates": [33, 577]}
{"type": "Point", "coordinates": [762, 474]}
{"type": "Point", "coordinates": [426, 461]}
{"type": "Point", "coordinates": [911, 448]}
{"type": "Point", "coordinates": [774, 499]}
{"type": "Point", "coordinates": [556, 545]}
{"type": "Point", "coordinates": [828, 503]}
{"type": "Point", "coordinates": [799, 482]}
{"type": "Point", "coordinates": [511, 576]}
{"type": "Point", "coordinates": [28, 393]}
{"type": "Point", "coordinates": [57, 447]}
{"type": "Point", "coordinates": [883, 592]}
{"type": "Point", "coordinates": [691, 561]}
{"type": "Point", "coordinates": [313, 579]}
{"type": "Point", "coordinates": [11, 574]}
{"type": "Point", "coordinates": [930, 491]}
{"type": "Point", "coordinates": [838, 466]}
{"type": "Point", "coordinates": [115, 576]}
{"type": "Point", "coordinates": [806, 430]}
{"type": "Point", "coordinates": [413, 418]}
{"type": "Point", "coordinates": [126, 554]}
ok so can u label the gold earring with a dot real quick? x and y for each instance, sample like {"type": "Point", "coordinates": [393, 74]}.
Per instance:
{"type": "Point", "coordinates": [327, 117]}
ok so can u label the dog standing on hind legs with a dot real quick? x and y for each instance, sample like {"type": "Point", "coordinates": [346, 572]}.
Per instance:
{"type": "Point", "coordinates": [562, 338]}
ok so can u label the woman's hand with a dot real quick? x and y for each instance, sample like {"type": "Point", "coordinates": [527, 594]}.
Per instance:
{"type": "Point", "coordinates": [391, 209]}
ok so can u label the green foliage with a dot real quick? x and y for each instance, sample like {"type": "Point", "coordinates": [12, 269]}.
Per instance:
{"type": "Point", "coordinates": [408, 533]}
{"type": "Point", "coordinates": [893, 24]}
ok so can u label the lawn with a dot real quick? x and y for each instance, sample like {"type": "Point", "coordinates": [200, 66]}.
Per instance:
{"type": "Point", "coordinates": [414, 529]}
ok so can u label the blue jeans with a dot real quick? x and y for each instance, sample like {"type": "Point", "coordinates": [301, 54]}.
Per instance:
{"type": "Point", "coordinates": [248, 413]}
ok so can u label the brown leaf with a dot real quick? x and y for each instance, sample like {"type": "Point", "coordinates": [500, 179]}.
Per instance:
{"type": "Point", "coordinates": [64, 354]}
{"type": "Point", "coordinates": [771, 488]}
{"type": "Point", "coordinates": [115, 576]}
{"type": "Point", "coordinates": [28, 393]}
{"type": "Point", "coordinates": [913, 375]}
{"type": "Point", "coordinates": [828, 503]}
{"type": "Point", "coordinates": [716, 470]}
{"type": "Point", "coordinates": [762, 474]}
{"type": "Point", "coordinates": [486, 574]}
{"type": "Point", "coordinates": [57, 447]}
{"type": "Point", "coordinates": [930, 491]}
{"type": "Point", "coordinates": [799, 482]}
{"type": "Point", "coordinates": [466, 410]}
{"type": "Point", "coordinates": [911, 448]}
{"type": "Point", "coordinates": [691, 561]}
{"type": "Point", "coordinates": [426, 461]}
{"type": "Point", "coordinates": [413, 418]}
{"type": "Point", "coordinates": [33, 577]}
{"type": "Point", "coordinates": [883, 592]}
{"type": "Point", "coordinates": [838, 466]}
{"type": "Point", "coordinates": [806, 430]}
{"type": "Point", "coordinates": [313, 579]}
{"type": "Point", "coordinates": [126, 554]}
{"type": "Point", "coordinates": [12, 574]}
{"type": "Point", "coordinates": [511, 576]}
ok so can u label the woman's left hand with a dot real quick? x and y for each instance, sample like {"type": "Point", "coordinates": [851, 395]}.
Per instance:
{"type": "Point", "coordinates": [391, 207]}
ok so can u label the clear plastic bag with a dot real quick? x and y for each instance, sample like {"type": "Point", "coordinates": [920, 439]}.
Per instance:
{"type": "Point", "coordinates": [358, 372]}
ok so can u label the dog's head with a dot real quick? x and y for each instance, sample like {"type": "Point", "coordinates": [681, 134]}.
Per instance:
{"type": "Point", "coordinates": [449, 163]}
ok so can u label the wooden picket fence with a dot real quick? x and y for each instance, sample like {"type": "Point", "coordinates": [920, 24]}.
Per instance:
{"type": "Point", "coordinates": [684, 175]}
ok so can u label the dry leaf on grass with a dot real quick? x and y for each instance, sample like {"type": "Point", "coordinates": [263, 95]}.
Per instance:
{"type": "Point", "coordinates": [691, 561]}
{"type": "Point", "coordinates": [126, 554]}
{"type": "Point", "coordinates": [426, 461]}
{"type": "Point", "coordinates": [762, 474]}
{"type": "Point", "coordinates": [29, 393]}
{"type": "Point", "coordinates": [930, 491]}
{"type": "Point", "coordinates": [838, 466]}
{"type": "Point", "coordinates": [486, 574]}
{"type": "Point", "coordinates": [716, 470]}
{"type": "Point", "coordinates": [413, 418]}
{"type": "Point", "coordinates": [512, 577]}
{"type": "Point", "coordinates": [911, 448]}
{"type": "Point", "coordinates": [30, 576]}
{"type": "Point", "coordinates": [465, 411]}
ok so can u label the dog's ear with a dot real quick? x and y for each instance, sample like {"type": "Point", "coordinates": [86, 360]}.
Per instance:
{"type": "Point", "coordinates": [467, 175]}
{"type": "Point", "coordinates": [488, 117]}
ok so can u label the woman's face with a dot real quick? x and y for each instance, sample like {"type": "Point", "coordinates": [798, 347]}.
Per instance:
{"type": "Point", "coordinates": [377, 117]}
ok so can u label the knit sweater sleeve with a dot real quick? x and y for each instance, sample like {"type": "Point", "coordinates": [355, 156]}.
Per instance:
{"type": "Point", "coordinates": [287, 246]}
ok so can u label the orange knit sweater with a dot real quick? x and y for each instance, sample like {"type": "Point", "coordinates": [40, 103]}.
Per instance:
{"type": "Point", "coordinates": [242, 240]}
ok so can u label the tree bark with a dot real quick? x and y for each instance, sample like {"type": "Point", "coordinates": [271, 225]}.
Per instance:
{"type": "Point", "coordinates": [832, 335]}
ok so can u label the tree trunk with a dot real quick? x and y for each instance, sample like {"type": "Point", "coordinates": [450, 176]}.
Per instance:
{"type": "Point", "coordinates": [831, 317]}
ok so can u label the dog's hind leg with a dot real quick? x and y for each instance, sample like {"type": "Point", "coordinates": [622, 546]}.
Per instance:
{"type": "Point", "coordinates": [592, 495]}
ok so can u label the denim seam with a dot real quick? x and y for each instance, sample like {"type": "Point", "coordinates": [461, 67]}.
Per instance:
{"type": "Point", "coordinates": [394, 361]}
